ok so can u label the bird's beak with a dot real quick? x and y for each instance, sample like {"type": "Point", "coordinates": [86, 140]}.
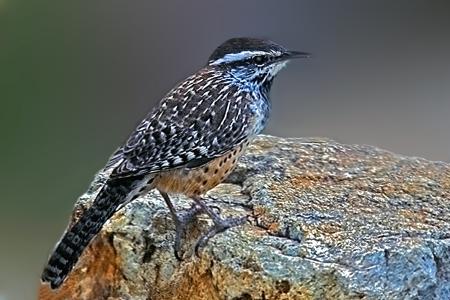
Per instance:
{"type": "Point", "coordinates": [287, 55]}
{"type": "Point", "coordinates": [296, 54]}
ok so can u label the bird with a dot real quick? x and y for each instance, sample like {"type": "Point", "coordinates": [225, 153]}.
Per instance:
{"type": "Point", "coordinates": [187, 144]}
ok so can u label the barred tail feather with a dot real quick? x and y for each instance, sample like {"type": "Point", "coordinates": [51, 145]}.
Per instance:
{"type": "Point", "coordinates": [67, 252]}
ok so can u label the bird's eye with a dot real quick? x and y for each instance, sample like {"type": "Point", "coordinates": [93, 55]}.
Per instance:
{"type": "Point", "coordinates": [259, 59]}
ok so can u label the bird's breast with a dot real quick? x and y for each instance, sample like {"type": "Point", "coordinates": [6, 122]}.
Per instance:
{"type": "Point", "coordinates": [197, 181]}
{"type": "Point", "coordinates": [260, 108]}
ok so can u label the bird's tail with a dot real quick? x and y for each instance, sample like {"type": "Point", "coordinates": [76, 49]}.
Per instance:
{"type": "Point", "coordinates": [67, 252]}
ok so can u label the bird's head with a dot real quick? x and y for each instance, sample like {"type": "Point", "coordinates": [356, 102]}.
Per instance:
{"type": "Point", "coordinates": [251, 60]}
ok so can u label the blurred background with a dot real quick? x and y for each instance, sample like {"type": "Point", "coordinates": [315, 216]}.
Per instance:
{"type": "Point", "coordinates": [77, 76]}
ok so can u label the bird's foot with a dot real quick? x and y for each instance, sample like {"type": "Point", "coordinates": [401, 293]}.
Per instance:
{"type": "Point", "coordinates": [182, 221]}
{"type": "Point", "coordinates": [220, 225]}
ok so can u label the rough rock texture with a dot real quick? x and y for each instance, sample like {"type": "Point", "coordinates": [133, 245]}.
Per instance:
{"type": "Point", "coordinates": [329, 221]}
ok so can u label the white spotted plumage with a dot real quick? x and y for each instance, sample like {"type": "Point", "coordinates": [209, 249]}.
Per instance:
{"type": "Point", "coordinates": [211, 113]}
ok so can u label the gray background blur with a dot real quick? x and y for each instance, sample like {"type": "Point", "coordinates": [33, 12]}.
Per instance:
{"type": "Point", "coordinates": [76, 77]}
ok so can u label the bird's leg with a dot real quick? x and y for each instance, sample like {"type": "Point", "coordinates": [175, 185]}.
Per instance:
{"type": "Point", "coordinates": [220, 224]}
{"type": "Point", "coordinates": [181, 220]}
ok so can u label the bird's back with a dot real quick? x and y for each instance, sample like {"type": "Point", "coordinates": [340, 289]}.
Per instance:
{"type": "Point", "coordinates": [205, 116]}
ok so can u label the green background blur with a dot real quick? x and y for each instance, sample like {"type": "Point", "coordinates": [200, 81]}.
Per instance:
{"type": "Point", "coordinates": [76, 76]}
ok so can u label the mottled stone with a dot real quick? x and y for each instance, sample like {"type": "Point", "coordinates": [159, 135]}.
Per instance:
{"type": "Point", "coordinates": [328, 221]}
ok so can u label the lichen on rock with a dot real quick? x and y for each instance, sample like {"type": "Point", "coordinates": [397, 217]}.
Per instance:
{"type": "Point", "coordinates": [327, 221]}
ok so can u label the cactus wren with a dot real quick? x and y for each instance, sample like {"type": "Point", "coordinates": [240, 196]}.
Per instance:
{"type": "Point", "coordinates": [188, 144]}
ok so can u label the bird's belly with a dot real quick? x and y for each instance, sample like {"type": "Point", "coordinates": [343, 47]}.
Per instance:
{"type": "Point", "coordinates": [195, 182]}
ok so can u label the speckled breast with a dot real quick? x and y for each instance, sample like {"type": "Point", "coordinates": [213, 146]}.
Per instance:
{"type": "Point", "coordinates": [197, 181]}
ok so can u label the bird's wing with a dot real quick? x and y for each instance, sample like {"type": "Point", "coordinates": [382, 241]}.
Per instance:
{"type": "Point", "coordinates": [187, 129]}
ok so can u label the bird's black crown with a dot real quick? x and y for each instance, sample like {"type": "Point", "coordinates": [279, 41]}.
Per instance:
{"type": "Point", "coordinates": [237, 45]}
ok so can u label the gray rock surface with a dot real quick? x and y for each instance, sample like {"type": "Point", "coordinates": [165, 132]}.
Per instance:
{"type": "Point", "coordinates": [328, 221]}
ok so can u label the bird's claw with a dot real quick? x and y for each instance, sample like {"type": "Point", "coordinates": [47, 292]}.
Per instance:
{"type": "Point", "coordinates": [184, 219]}
{"type": "Point", "coordinates": [220, 225]}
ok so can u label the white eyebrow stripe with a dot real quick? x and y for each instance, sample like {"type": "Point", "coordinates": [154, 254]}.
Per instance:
{"type": "Point", "coordinates": [237, 56]}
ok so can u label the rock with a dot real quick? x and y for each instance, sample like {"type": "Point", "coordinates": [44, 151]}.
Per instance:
{"type": "Point", "coordinates": [328, 221]}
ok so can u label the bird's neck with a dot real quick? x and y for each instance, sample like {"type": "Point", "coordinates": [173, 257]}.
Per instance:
{"type": "Point", "coordinates": [259, 84]}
